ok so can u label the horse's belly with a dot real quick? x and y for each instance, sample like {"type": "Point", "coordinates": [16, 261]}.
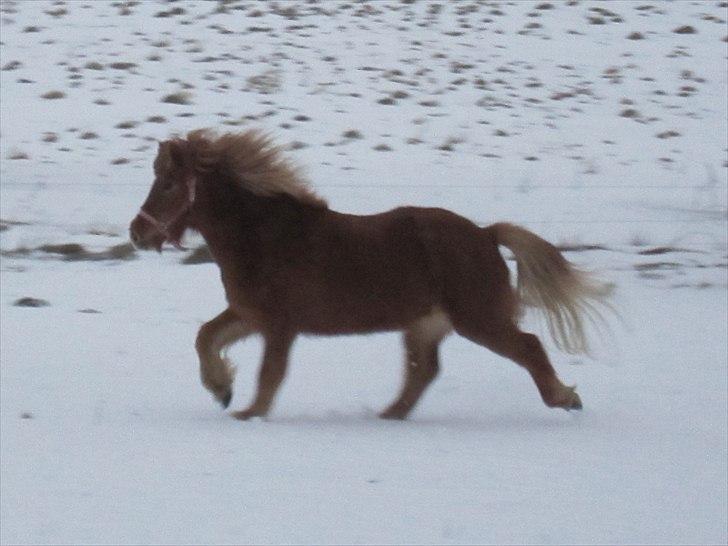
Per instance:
{"type": "Point", "coordinates": [355, 313]}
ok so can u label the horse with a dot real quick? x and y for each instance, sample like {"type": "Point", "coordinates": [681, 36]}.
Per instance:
{"type": "Point", "coordinates": [292, 266]}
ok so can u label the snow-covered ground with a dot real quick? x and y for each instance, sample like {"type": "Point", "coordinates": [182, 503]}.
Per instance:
{"type": "Point", "coordinates": [595, 124]}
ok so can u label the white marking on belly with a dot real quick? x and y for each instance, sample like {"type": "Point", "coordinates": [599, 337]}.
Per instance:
{"type": "Point", "coordinates": [432, 327]}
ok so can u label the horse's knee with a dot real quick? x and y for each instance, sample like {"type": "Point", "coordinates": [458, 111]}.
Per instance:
{"type": "Point", "coordinates": [204, 337]}
{"type": "Point", "coordinates": [223, 330]}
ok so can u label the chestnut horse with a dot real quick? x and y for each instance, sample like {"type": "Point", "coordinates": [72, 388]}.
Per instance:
{"type": "Point", "coordinates": [290, 265]}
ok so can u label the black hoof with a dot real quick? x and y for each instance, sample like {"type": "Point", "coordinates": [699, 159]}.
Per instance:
{"type": "Point", "coordinates": [575, 404]}
{"type": "Point", "coordinates": [225, 399]}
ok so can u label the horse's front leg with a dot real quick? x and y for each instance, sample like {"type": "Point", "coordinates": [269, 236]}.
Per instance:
{"type": "Point", "coordinates": [272, 371]}
{"type": "Point", "coordinates": [216, 371]}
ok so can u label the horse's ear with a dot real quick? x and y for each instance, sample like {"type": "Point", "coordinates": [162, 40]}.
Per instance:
{"type": "Point", "coordinates": [178, 152]}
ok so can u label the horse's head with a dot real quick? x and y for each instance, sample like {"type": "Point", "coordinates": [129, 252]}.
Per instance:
{"type": "Point", "coordinates": [162, 217]}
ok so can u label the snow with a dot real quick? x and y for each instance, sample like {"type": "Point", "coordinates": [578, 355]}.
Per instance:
{"type": "Point", "coordinates": [107, 436]}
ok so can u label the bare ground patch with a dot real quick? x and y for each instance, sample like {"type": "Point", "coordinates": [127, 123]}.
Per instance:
{"type": "Point", "coordinates": [73, 252]}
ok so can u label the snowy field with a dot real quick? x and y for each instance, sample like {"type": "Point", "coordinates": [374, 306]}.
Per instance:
{"type": "Point", "coordinates": [602, 126]}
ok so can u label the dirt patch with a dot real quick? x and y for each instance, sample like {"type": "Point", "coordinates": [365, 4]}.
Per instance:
{"type": "Point", "coordinates": [686, 29]}
{"type": "Point", "coordinates": [31, 302]}
{"type": "Point", "coordinates": [73, 252]}
{"type": "Point", "coordinates": [53, 95]}
{"type": "Point", "coordinates": [664, 250]}
{"type": "Point", "coordinates": [68, 250]}
{"type": "Point", "coordinates": [658, 266]}
{"type": "Point", "coordinates": [20, 252]}
{"type": "Point", "coordinates": [182, 98]}
{"type": "Point", "coordinates": [17, 154]}
{"type": "Point", "coordinates": [12, 65]}
{"type": "Point", "coordinates": [580, 248]}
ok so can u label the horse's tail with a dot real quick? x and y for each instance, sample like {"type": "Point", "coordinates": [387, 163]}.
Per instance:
{"type": "Point", "coordinates": [546, 280]}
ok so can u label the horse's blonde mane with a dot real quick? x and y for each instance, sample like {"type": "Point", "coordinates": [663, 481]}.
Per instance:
{"type": "Point", "coordinates": [253, 161]}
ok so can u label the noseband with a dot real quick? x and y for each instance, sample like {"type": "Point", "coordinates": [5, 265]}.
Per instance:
{"type": "Point", "coordinates": [163, 227]}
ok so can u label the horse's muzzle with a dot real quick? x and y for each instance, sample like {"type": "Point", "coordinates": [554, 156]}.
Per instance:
{"type": "Point", "coordinates": [144, 238]}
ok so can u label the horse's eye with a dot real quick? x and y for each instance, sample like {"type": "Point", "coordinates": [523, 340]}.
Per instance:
{"type": "Point", "coordinates": [167, 187]}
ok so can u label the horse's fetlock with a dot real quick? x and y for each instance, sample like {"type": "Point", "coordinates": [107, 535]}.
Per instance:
{"type": "Point", "coordinates": [563, 397]}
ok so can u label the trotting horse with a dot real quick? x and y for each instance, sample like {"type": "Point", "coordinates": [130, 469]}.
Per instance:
{"type": "Point", "coordinates": [290, 265]}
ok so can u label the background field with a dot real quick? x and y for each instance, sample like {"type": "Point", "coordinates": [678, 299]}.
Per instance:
{"type": "Point", "coordinates": [601, 126]}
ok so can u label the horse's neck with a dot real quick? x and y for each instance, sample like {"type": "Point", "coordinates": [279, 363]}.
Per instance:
{"type": "Point", "coordinates": [233, 221]}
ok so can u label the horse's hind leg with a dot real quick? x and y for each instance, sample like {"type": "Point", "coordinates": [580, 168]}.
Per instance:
{"type": "Point", "coordinates": [216, 372]}
{"type": "Point", "coordinates": [526, 349]}
{"type": "Point", "coordinates": [272, 371]}
{"type": "Point", "coordinates": [421, 340]}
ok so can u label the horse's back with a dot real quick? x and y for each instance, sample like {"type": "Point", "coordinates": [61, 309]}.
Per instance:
{"type": "Point", "coordinates": [372, 272]}
{"type": "Point", "coordinates": [435, 257]}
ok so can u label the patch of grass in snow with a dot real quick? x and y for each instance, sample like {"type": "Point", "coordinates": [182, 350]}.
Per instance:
{"type": "Point", "coordinates": [53, 95]}
{"type": "Point", "coordinates": [182, 98]}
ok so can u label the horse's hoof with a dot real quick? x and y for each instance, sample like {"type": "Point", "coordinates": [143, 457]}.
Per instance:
{"type": "Point", "coordinates": [393, 415]}
{"type": "Point", "coordinates": [225, 398]}
{"type": "Point", "coordinates": [245, 415]}
{"type": "Point", "coordinates": [575, 403]}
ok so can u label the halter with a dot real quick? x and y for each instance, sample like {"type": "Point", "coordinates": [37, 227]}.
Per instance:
{"type": "Point", "coordinates": [163, 227]}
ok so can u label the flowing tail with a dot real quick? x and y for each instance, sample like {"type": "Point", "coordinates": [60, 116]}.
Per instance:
{"type": "Point", "coordinates": [549, 282]}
